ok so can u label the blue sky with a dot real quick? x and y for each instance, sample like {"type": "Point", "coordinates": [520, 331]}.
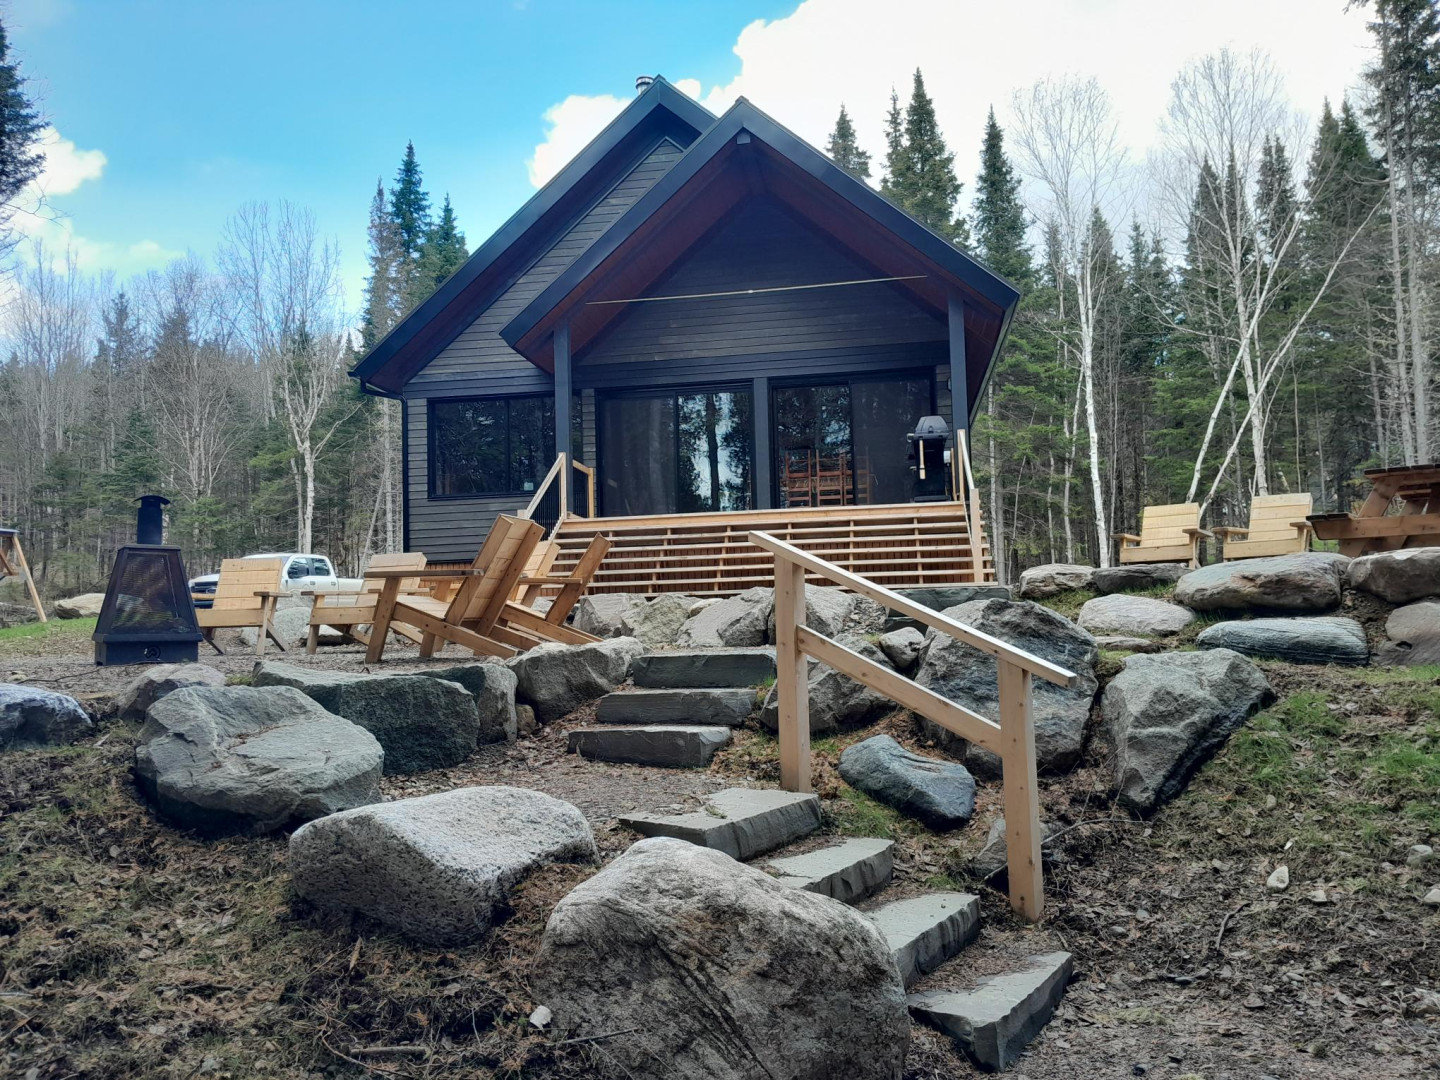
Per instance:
{"type": "Point", "coordinates": [200, 105]}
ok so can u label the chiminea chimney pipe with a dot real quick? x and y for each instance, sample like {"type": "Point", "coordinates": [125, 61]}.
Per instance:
{"type": "Point", "coordinates": [642, 83]}
{"type": "Point", "coordinates": [150, 519]}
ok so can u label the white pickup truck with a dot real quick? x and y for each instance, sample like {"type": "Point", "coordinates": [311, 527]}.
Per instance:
{"type": "Point", "coordinates": [301, 573]}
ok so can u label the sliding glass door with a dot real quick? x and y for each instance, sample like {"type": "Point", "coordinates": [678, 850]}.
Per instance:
{"type": "Point", "coordinates": [844, 443]}
{"type": "Point", "coordinates": [667, 452]}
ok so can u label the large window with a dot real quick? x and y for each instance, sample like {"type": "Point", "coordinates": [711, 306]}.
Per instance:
{"type": "Point", "coordinates": [844, 443]}
{"type": "Point", "coordinates": [490, 446]}
{"type": "Point", "coordinates": [669, 452]}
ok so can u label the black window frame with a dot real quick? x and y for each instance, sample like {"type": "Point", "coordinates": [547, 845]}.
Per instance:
{"type": "Point", "coordinates": [432, 457]}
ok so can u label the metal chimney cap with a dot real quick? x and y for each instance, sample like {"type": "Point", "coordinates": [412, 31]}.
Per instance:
{"type": "Point", "coordinates": [151, 500]}
{"type": "Point", "coordinates": [643, 82]}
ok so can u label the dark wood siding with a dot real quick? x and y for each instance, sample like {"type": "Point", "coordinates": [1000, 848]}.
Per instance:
{"type": "Point", "coordinates": [479, 363]}
{"type": "Point", "coordinates": [760, 245]}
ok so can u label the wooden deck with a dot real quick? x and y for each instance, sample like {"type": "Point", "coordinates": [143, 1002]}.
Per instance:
{"type": "Point", "coordinates": [898, 546]}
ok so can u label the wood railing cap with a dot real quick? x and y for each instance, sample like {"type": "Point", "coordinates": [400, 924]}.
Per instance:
{"type": "Point", "coordinates": [1001, 650]}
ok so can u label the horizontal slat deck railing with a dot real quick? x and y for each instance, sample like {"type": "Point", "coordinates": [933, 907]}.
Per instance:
{"type": "Point", "coordinates": [1012, 739]}
{"type": "Point", "coordinates": [711, 554]}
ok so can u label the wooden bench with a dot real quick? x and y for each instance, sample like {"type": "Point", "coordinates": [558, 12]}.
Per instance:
{"type": "Point", "coordinates": [245, 596]}
{"type": "Point", "coordinates": [1167, 534]}
{"type": "Point", "coordinates": [1277, 527]}
{"type": "Point", "coordinates": [350, 613]}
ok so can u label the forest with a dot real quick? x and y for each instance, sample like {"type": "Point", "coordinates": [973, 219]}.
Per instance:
{"type": "Point", "coordinates": [1248, 308]}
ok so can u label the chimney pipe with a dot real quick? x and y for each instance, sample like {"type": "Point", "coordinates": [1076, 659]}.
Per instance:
{"type": "Point", "coordinates": [150, 519]}
{"type": "Point", "coordinates": [642, 83]}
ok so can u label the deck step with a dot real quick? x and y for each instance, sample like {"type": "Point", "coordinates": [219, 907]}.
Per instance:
{"type": "Point", "coordinates": [849, 871]}
{"type": "Point", "coordinates": [741, 822]}
{"type": "Point", "coordinates": [675, 669]}
{"type": "Point", "coordinates": [996, 1020]}
{"type": "Point", "coordinates": [677, 746]}
{"type": "Point", "coordinates": [726, 706]}
{"type": "Point", "coordinates": [925, 931]}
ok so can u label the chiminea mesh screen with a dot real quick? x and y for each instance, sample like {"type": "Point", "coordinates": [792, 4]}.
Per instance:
{"type": "Point", "coordinates": [146, 600]}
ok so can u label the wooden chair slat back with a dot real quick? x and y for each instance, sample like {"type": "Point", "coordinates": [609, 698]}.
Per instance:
{"type": "Point", "coordinates": [1272, 516]}
{"type": "Point", "coordinates": [399, 560]}
{"type": "Point", "coordinates": [503, 557]}
{"type": "Point", "coordinates": [540, 563]}
{"type": "Point", "coordinates": [241, 578]}
{"type": "Point", "coordinates": [1164, 526]}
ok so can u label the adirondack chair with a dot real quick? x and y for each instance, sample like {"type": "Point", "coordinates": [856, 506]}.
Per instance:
{"type": "Point", "coordinates": [471, 617]}
{"type": "Point", "coordinates": [351, 612]}
{"type": "Point", "coordinates": [1167, 534]}
{"type": "Point", "coordinates": [1277, 527]}
{"type": "Point", "coordinates": [521, 617]}
{"type": "Point", "coordinates": [244, 597]}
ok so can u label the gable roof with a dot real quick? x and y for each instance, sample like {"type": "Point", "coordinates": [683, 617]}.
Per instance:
{"type": "Point", "coordinates": [660, 110]}
{"type": "Point", "coordinates": [742, 153]}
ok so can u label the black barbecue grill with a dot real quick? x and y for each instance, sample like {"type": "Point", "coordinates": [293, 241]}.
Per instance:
{"type": "Point", "coordinates": [930, 458]}
{"type": "Point", "coordinates": [148, 616]}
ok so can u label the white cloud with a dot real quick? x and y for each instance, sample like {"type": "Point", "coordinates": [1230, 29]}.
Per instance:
{"type": "Point", "coordinates": [801, 67]}
{"type": "Point", "coordinates": [66, 166]}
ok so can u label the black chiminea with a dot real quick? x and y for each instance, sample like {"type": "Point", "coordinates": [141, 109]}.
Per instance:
{"type": "Point", "coordinates": [148, 616]}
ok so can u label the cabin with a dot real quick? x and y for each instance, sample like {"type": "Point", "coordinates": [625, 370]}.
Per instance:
{"type": "Point", "coordinates": [700, 327]}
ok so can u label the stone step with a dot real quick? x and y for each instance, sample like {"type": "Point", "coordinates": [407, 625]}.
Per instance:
{"type": "Point", "coordinates": [996, 1020]}
{"type": "Point", "coordinates": [849, 871]}
{"type": "Point", "coordinates": [676, 669]}
{"type": "Point", "coordinates": [726, 706]}
{"type": "Point", "coordinates": [741, 822]}
{"type": "Point", "coordinates": [925, 931]}
{"type": "Point", "coordinates": [678, 746]}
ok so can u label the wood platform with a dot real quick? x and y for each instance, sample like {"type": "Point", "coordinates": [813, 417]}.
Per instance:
{"type": "Point", "coordinates": [899, 546]}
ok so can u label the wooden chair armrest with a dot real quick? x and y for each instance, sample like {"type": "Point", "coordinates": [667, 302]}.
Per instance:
{"type": "Point", "coordinates": [270, 592]}
{"type": "Point", "coordinates": [1126, 536]}
{"type": "Point", "coordinates": [424, 574]}
{"type": "Point", "coordinates": [1303, 526]}
{"type": "Point", "coordinates": [1230, 530]}
{"type": "Point", "coordinates": [525, 579]}
{"type": "Point", "coordinates": [1199, 532]}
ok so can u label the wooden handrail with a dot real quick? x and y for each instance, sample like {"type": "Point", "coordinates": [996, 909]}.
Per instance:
{"type": "Point", "coordinates": [563, 464]}
{"type": "Point", "coordinates": [534, 503]}
{"type": "Point", "coordinates": [1013, 738]}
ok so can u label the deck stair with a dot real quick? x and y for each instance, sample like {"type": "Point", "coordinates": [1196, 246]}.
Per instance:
{"type": "Point", "coordinates": [907, 544]}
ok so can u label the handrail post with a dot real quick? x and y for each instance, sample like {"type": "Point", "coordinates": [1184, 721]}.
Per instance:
{"type": "Point", "coordinates": [564, 484]}
{"type": "Point", "coordinates": [1022, 801]}
{"type": "Point", "coordinates": [792, 691]}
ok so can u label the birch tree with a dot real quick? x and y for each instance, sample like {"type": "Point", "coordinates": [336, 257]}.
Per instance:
{"type": "Point", "coordinates": [1068, 145]}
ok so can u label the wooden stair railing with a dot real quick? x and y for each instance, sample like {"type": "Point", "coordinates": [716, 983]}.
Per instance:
{"type": "Point", "coordinates": [561, 469]}
{"type": "Point", "coordinates": [1012, 739]}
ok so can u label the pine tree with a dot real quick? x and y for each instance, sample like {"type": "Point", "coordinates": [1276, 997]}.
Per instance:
{"type": "Point", "coordinates": [20, 157]}
{"type": "Point", "coordinates": [443, 254]}
{"type": "Point", "coordinates": [921, 168]}
{"type": "Point", "coordinates": [383, 307]}
{"type": "Point", "coordinates": [845, 151]}
{"type": "Point", "coordinates": [998, 213]}
{"type": "Point", "coordinates": [410, 210]}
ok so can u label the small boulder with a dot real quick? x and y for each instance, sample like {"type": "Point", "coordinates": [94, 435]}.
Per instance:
{"type": "Point", "coordinates": [1314, 640]}
{"type": "Point", "coordinates": [32, 718]}
{"type": "Point", "coordinates": [438, 868]}
{"type": "Point", "coordinates": [939, 793]}
{"type": "Point", "coordinates": [967, 677]}
{"type": "Point", "coordinates": [85, 606]}
{"type": "Point", "coordinates": [715, 969]}
{"type": "Point", "coordinates": [525, 722]}
{"type": "Point", "coordinates": [994, 857]}
{"type": "Point", "coordinates": [239, 759]}
{"type": "Point", "coordinates": [941, 598]}
{"type": "Point", "coordinates": [837, 702]}
{"type": "Point", "coordinates": [422, 723]}
{"type": "Point", "coordinates": [1125, 643]}
{"type": "Point", "coordinates": [657, 622]}
{"type": "Point", "coordinates": [292, 626]}
{"type": "Point", "coordinates": [739, 620]}
{"type": "Point", "coordinates": [1307, 581]}
{"type": "Point", "coordinates": [603, 614]}
{"type": "Point", "coordinates": [557, 679]}
{"type": "Point", "coordinates": [1168, 715]}
{"type": "Point", "coordinates": [1051, 579]}
{"type": "Point", "coordinates": [1117, 613]}
{"type": "Point", "coordinates": [1397, 576]}
{"type": "Point", "coordinates": [153, 683]}
{"type": "Point", "coordinates": [493, 687]}
{"type": "Point", "coordinates": [1136, 577]}
{"type": "Point", "coordinates": [902, 647]}
{"type": "Point", "coordinates": [1413, 635]}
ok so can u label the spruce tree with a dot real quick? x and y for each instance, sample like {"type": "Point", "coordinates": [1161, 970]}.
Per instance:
{"type": "Point", "coordinates": [410, 210]}
{"type": "Point", "coordinates": [998, 214]}
{"type": "Point", "coordinates": [383, 306]}
{"type": "Point", "coordinates": [921, 168]}
{"type": "Point", "coordinates": [443, 254]}
{"type": "Point", "coordinates": [896, 164]}
{"type": "Point", "coordinates": [20, 157]}
{"type": "Point", "coordinates": [845, 151]}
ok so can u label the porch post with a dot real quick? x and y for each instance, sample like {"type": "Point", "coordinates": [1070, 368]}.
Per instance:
{"type": "Point", "coordinates": [562, 392]}
{"type": "Point", "coordinates": [760, 418]}
{"type": "Point", "coordinates": [959, 386]}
